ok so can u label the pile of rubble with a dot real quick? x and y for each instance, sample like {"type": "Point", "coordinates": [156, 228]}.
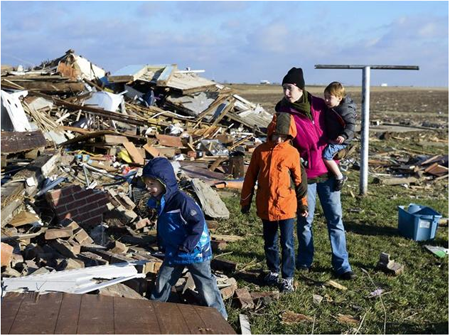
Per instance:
{"type": "Point", "coordinates": [74, 140]}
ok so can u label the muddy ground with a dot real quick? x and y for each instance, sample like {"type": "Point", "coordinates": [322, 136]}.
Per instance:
{"type": "Point", "coordinates": [425, 107]}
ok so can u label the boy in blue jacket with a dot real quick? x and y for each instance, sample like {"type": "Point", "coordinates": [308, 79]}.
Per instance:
{"type": "Point", "coordinates": [182, 235]}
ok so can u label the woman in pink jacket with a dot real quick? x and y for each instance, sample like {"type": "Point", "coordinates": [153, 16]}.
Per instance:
{"type": "Point", "coordinates": [309, 115]}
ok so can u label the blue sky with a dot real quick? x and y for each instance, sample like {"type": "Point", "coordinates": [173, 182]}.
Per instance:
{"type": "Point", "coordinates": [238, 41]}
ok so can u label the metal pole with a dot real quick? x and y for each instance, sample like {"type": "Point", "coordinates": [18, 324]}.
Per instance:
{"type": "Point", "coordinates": [364, 167]}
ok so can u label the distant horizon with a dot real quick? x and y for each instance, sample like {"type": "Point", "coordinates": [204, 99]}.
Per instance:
{"type": "Point", "coordinates": [259, 82]}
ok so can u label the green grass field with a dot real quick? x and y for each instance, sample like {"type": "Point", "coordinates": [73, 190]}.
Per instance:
{"type": "Point", "coordinates": [415, 302]}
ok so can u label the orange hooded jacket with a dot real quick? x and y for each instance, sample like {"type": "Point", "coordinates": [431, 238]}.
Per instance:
{"type": "Point", "coordinates": [277, 169]}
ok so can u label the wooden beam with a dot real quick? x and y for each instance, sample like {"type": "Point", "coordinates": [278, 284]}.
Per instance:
{"type": "Point", "coordinates": [103, 113]}
{"type": "Point", "coordinates": [14, 142]}
{"type": "Point", "coordinates": [166, 74]}
{"type": "Point", "coordinates": [50, 86]}
{"type": "Point", "coordinates": [134, 153]}
{"type": "Point", "coordinates": [128, 74]}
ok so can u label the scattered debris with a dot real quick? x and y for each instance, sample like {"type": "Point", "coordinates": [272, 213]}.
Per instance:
{"type": "Point", "coordinates": [347, 319]}
{"type": "Point", "coordinates": [289, 317]}
{"type": "Point", "coordinates": [332, 283]}
{"type": "Point", "coordinates": [317, 299]}
{"type": "Point", "coordinates": [245, 324]}
{"type": "Point", "coordinates": [439, 251]}
{"type": "Point", "coordinates": [389, 266]}
{"type": "Point", "coordinates": [376, 292]}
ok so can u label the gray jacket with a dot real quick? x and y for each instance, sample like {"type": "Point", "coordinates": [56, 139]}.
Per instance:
{"type": "Point", "coordinates": [340, 120]}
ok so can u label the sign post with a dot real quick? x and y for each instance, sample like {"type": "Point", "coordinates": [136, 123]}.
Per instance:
{"type": "Point", "coordinates": [364, 170]}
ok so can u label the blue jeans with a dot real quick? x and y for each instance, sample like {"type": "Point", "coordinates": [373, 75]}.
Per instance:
{"type": "Point", "coordinates": [331, 205]}
{"type": "Point", "coordinates": [330, 151]}
{"type": "Point", "coordinates": [270, 232]}
{"type": "Point", "coordinates": [204, 280]}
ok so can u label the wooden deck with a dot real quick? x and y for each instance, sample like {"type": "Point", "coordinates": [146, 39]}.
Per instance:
{"type": "Point", "coordinates": [61, 313]}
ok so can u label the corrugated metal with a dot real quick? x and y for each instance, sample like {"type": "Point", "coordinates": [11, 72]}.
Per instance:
{"type": "Point", "coordinates": [77, 281]}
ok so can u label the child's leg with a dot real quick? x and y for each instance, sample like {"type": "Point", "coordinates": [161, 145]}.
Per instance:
{"type": "Point", "coordinates": [270, 233]}
{"type": "Point", "coordinates": [167, 277]}
{"type": "Point", "coordinates": [334, 168]}
{"type": "Point", "coordinates": [287, 246]}
{"type": "Point", "coordinates": [328, 155]}
{"type": "Point", "coordinates": [206, 285]}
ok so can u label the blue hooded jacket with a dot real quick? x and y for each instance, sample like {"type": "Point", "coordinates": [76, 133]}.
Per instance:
{"type": "Point", "coordinates": [182, 231]}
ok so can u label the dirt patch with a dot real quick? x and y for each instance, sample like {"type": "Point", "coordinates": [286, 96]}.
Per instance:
{"type": "Point", "coordinates": [426, 107]}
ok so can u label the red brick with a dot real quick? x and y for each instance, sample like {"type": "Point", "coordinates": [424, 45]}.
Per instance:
{"type": "Point", "coordinates": [96, 198]}
{"type": "Point", "coordinates": [53, 196]}
{"type": "Point", "coordinates": [61, 208]}
{"type": "Point", "coordinates": [61, 196]}
{"type": "Point", "coordinates": [96, 212]}
{"type": "Point", "coordinates": [66, 198]}
{"type": "Point", "coordinates": [83, 194]}
{"type": "Point", "coordinates": [81, 216]}
{"type": "Point", "coordinates": [102, 202]}
{"type": "Point", "coordinates": [58, 233]}
{"type": "Point", "coordinates": [66, 215]}
{"type": "Point", "coordinates": [73, 189]}
{"type": "Point", "coordinates": [76, 205]}
{"type": "Point", "coordinates": [6, 251]}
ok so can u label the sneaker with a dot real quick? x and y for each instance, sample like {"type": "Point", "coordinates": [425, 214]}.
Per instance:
{"type": "Point", "coordinates": [338, 184]}
{"type": "Point", "coordinates": [347, 276]}
{"type": "Point", "coordinates": [271, 279]}
{"type": "Point", "coordinates": [287, 285]}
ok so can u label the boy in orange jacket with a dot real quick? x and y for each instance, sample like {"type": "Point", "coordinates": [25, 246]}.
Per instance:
{"type": "Point", "coordinates": [281, 192]}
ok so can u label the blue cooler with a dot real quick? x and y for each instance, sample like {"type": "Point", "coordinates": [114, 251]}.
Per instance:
{"type": "Point", "coordinates": [418, 222]}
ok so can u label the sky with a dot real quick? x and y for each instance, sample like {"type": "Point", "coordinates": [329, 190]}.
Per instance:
{"type": "Point", "coordinates": [238, 41]}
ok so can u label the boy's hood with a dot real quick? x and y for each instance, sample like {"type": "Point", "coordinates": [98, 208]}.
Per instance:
{"type": "Point", "coordinates": [282, 123]}
{"type": "Point", "coordinates": [161, 169]}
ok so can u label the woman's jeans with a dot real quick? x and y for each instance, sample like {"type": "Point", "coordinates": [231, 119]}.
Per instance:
{"type": "Point", "coordinates": [270, 232]}
{"type": "Point", "coordinates": [332, 209]}
{"type": "Point", "coordinates": [204, 280]}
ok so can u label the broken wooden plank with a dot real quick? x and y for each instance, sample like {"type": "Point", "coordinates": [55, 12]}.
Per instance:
{"type": "Point", "coordinates": [397, 180]}
{"type": "Point", "coordinates": [245, 324]}
{"type": "Point", "coordinates": [244, 299]}
{"type": "Point", "coordinates": [166, 75]}
{"type": "Point", "coordinates": [129, 73]}
{"type": "Point", "coordinates": [190, 83]}
{"type": "Point", "coordinates": [112, 139]}
{"type": "Point", "coordinates": [15, 142]}
{"type": "Point", "coordinates": [169, 140]}
{"type": "Point", "coordinates": [227, 238]}
{"type": "Point", "coordinates": [102, 113]}
{"type": "Point", "coordinates": [134, 153]}
{"type": "Point", "coordinates": [436, 170]}
{"type": "Point", "coordinates": [49, 86]}
{"type": "Point", "coordinates": [151, 150]}
{"type": "Point", "coordinates": [24, 218]}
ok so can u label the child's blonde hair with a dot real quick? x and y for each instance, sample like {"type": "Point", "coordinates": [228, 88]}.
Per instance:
{"type": "Point", "coordinates": [335, 89]}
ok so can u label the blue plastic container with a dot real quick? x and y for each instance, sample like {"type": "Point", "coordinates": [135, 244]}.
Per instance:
{"type": "Point", "coordinates": [418, 222]}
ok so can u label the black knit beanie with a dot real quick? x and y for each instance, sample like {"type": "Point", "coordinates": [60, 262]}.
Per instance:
{"type": "Point", "coordinates": [295, 76]}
